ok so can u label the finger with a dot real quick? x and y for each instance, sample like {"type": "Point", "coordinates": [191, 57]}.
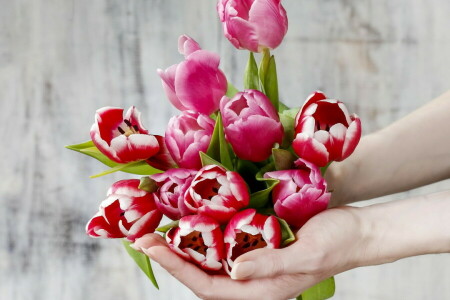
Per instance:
{"type": "Point", "coordinates": [262, 263]}
{"type": "Point", "coordinates": [147, 241]}
{"type": "Point", "coordinates": [203, 285]}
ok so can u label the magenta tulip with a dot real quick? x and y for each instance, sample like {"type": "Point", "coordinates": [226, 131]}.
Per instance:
{"type": "Point", "coordinates": [217, 193]}
{"type": "Point", "coordinates": [197, 83]}
{"type": "Point", "coordinates": [172, 186]}
{"type": "Point", "coordinates": [127, 212]}
{"type": "Point", "coordinates": [198, 239]}
{"type": "Point", "coordinates": [253, 24]}
{"type": "Point", "coordinates": [300, 194]}
{"type": "Point", "coordinates": [248, 231]}
{"type": "Point", "coordinates": [187, 135]}
{"type": "Point", "coordinates": [325, 131]}
{"type": "Point", "coordinates": [252, 125]}
{"type": "Point", "coordinates": [122, 139]}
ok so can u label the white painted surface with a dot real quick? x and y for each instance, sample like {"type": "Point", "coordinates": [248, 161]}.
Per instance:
{"type": "Point", "coordinates": [61, 60]}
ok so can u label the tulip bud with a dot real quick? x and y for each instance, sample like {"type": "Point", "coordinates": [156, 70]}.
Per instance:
{"type": "Point", "coordinates": [249, 119]}
{"type": "Point", "coordinates": [300, 194]}
{"type": "Point", "coordinates": [122, 139]}
{"type": "Point", "coordinates": [254, 24]}
{"type": "Point", "coordinates": [217, 193]}
{"type": "Point", "coordinates": [187, 135]}
{"type": "Point", "coordinates": [172, 186]}
{"type": "Point", "coordinates": [126, 212]}
{"type": "Point", "coordinates": [324, 131]}
{"type": "Point", "coordinates": [197, 83]}
{"type": "Point", "coordinates": [247, 231]}
{"type": "Point", "coordinates": [198, 239]}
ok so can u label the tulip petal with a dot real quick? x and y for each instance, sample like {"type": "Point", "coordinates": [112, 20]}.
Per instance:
{"type": "Point", "coordinates": [310, 149]}
{"type": "Point", "coordinates": [352, 137]}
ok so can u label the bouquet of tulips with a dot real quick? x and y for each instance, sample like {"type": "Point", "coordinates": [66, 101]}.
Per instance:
{"type": "Point", "coordinates": [235, 170]}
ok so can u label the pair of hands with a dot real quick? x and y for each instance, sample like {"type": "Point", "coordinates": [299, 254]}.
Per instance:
{"type": "Point", "coordinates": [330, 243]}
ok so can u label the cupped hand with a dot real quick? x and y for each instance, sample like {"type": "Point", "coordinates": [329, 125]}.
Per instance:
{"type": "Point", "coordinates": [332, 242]}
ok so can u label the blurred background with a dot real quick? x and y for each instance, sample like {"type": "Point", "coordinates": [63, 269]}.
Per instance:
{"type": "Point", "coordinates": [60, 60]}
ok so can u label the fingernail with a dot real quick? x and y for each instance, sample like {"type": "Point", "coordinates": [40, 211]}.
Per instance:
{"type": "Point", "coordinates": [149, 252]}
{"type": "Point", "coordinates": [242, 270]}
{"type": "Point", "coordinates": [135, 247]}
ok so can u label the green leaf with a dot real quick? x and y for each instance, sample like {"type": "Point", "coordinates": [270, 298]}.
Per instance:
{"type": "Point", "coordinates": [264, 64]}
{"type": "Point", "coordinates": [231, 91]}
{"type": "Point", "coordinates": [207, 160]}
{"type": "Point", "coordinates": [287, 118]}
{"type": "Point", "coordinates": [147, 184]}
{"type": "Point", "coordinates": [271, 83]}
{"type": "Point", "coordinates": [283, 159]}
{"type": "Point", "coordinates": [168, 226]}
{"type": "Point", "coordinates": [324, 169]}
{"type": "Point", "coordinates": [218, 147]}
{"type": "Point", "coordinates": [214, 145]}
{"type": "Point", "coordinates": [137, 167]}
{"type": "Point", "coordinates": [287, 236]}
{"type": "Point", "coordinates": [260, 198]}
{"type": "Point", "coordinates": [251, 79]}
{"type": "Point", "coordinates": [321, 291]}
{"type": "Point", "coordinates": [142, 261]}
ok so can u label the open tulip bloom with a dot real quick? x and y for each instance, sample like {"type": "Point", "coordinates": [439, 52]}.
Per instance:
{"type": "Point", "coordinates": [235, 170]}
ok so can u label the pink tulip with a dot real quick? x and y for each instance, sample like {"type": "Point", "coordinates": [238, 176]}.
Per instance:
{"type": "Point", "coordinates": [300, 194]}
{"type": "Point", "coordinates": [126, 212]}
{"type": "Point", "coordinates": [162, 160]}
{"type": "Point", "coordinates": [122, 139]}
{"type": "Point", "coordinates": [253, 24]}
{"type": "Point", "coordinates": [248, 231]}
{"type": "Point", "coordinates": [187, 135]}
{"type": "Point", "coordinates": [324, 130]}
{"type": "Point", "coordinates": [198, 239]}
{"type": "Point", "coordinates": [217, 193]}
{"type": "Point", "coordinates": [252, 125]}
{"type": "Point", "coordinates": [197, 83]}
{"type": "Point", "coordinates": [172, 186]}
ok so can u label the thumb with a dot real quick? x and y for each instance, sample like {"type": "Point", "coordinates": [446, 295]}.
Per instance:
{"type": "Point", "coordinates": [266, 262]}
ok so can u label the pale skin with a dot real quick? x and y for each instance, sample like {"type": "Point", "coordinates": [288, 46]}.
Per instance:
{"type": "Point", "coordinates": [412, 152]}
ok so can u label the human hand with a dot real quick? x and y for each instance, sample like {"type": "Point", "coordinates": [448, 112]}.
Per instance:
{"type": "Point", "coordinates": [330, 243]}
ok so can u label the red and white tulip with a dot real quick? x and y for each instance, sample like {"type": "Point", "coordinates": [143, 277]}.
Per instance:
{"type": "Point", "coordinates": [217, 193]}
{"type": "Point", "coordinates": [248, 231]}
{"type": "Point", "coordinates": [122, 139]}
{"type": "Point", "coordinates": [300, 194]}
{"type": "Point", "coordinates": [198, 239]}
{"type": "Point", "coordinates": [325, 131]}
{"type": "Point", "coordinates": [127, 212]}
{"type": "Point", "coordinates": [249, 119]}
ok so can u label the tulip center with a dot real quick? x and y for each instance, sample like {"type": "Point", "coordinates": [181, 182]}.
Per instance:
{"type": "Point", "coordinates": [194, 241]}
{"type": "Point", "coordinates": [328, 114]}
{"type": "Point", "coordinates": [208, 188]}
{"type": "Point", "coordinates": [246, 242]}
{"type": "Point", "coordinates": [127, 128]}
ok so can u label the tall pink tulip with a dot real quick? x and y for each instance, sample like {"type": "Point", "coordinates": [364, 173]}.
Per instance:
{"type": "Point", "coordinates": [252, 125]}
{"type": "Point", "coordinates": [187, 135]}
{"type": "Point", "coordinates": [325, 131]}
{"type": "Point", "coordinates": [253, 24]}
{"type": "Point", "coordinates": [172, 186]}
{"type": "Point", "coordinates": [127, 212]}
{"type": "Point", "coordinates": [217, 193]}
{"type": "Point", "coordinates": [248, 231]}
{"type": "Point", "coordinates": [198, 239]}
{"type": "Point", "coordinates": [122, 139]}
{"type": "Point", "coordinates": [300, 194]}
{"type": "Point", "coordinates": [197, 83]}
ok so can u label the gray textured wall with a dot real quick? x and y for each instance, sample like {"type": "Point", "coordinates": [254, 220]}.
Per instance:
{"type": "Point", "coordinates": [60, 60]}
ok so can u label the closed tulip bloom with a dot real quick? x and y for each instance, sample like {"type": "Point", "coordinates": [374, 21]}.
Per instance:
{"type": "Point", "coordinates": [198, 239]}
{"type": "Point", "coordinates": [127, 212]}
{"type": "Point", "coordinates": [300, 194]}
{"type": "Point", "coordinates": [122, 139]}
{"type": "Point", "coordinates": [325, 131]}
{"type": "Point", "coordinates": [217, 193]}
{"type": "Point", "coordinates": [172, 186]}
{"type": "Point", "coordinates": [197, 83]}
{"type": "Point", "coordinates": [186, 135]}
{"type": "Point", "coordinates": [248, 231]}
{"type": "Point", "coordinates": [252, 125]}
{"type": "Point", "coordinates": [253, 24]}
